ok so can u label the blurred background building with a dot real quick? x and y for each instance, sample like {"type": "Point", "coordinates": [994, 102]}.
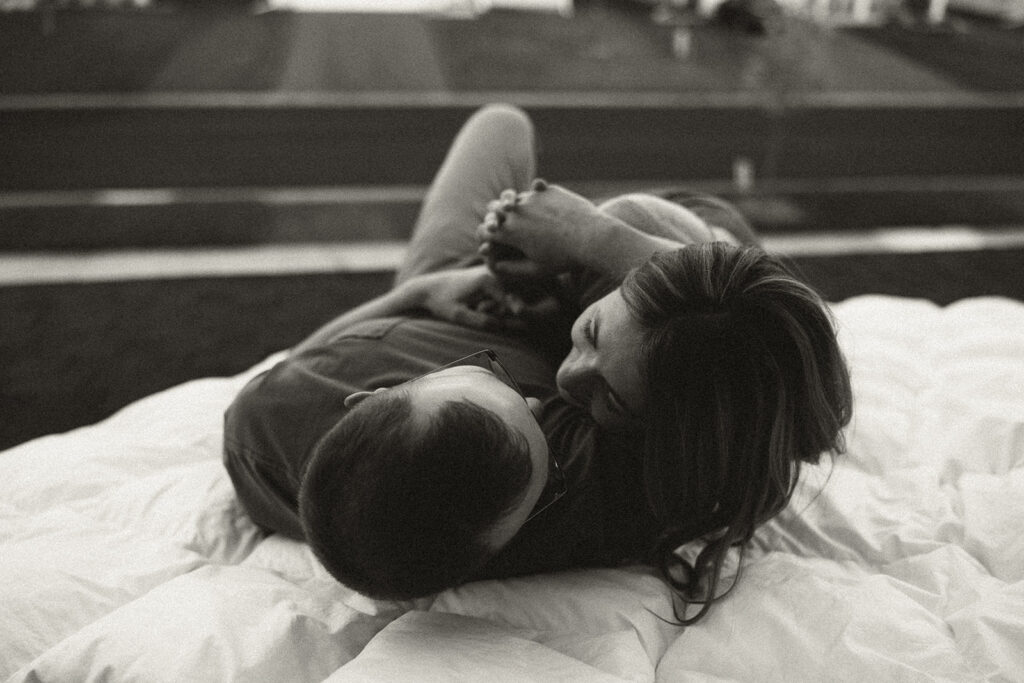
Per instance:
{"type": "Point", "coordinates": [187, 187]}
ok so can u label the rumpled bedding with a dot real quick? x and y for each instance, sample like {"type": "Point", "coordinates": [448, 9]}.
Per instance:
{"type": "Point", "coordinates": [124, 555]}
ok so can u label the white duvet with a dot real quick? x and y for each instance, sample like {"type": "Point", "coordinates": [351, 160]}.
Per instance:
{"type": "Point", "coordinates": [124, 556]}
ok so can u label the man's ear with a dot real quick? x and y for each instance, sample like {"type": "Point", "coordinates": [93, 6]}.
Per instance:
{"type": "Point", "coordinates": [352, 400]}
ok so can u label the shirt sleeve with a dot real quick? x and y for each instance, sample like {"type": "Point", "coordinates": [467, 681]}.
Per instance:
{"type": "Point", "coordinates": [265, 492]}
{"type": "Point", "coordinates": [270, 430]}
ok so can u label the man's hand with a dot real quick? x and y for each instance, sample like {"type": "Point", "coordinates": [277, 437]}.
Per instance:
{"type": "Point", "coordinates": [467, 296]}
{"type": "Point", "coordinates": [474, 297]}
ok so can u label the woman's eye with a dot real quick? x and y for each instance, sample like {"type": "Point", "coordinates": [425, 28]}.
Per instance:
{"type": "Point", "coordinates": [588, 332]}
{"type": "Point", "coordinates": [615, 406]}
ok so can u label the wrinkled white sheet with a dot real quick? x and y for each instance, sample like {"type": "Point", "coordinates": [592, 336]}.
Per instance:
{"type": "Point", "coordinates": [124, 556]}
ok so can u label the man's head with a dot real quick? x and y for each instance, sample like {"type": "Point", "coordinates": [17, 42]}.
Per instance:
{"type": "Point", "coordinates": [419, 485]}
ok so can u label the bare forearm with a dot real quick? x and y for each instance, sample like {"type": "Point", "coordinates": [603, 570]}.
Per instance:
{"type": "Point", "coordinates": [464, 296]}
{"type": "Point", "coordinates": [402, 299]}
{"type": "Point", "coordinates": [558, 230]}
{"type": "Point", "coordinates": [616, 247]}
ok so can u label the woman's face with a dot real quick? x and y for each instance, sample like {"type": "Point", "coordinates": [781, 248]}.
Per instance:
{"type": "Point", "coordinates": [602, 372]}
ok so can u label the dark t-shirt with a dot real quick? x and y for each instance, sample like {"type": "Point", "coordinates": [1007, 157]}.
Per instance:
{"type": "Point", "coordinates": [277, 419]}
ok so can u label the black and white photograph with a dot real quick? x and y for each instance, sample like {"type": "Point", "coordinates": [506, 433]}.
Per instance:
{"type": "Point", "coordinates": [511, 341]}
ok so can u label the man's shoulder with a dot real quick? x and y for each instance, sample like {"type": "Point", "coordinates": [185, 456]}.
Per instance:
{"type": "Point", "coordinates": [372, 329]}
{"type": "Point", "coordinates": [277, 417]}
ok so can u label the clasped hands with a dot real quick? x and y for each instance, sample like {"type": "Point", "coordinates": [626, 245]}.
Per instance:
{"type": "Point", "coordinates": [532, 236]}
{"type": "Point", "coordinates": [526, 239]}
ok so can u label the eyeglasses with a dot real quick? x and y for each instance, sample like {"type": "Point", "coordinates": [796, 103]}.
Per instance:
{"type": "Point", "coordinates": [556, 486]}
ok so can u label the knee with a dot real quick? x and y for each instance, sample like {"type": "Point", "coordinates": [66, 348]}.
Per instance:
{"type": "Point", "coordinates": [654, 215]}
{"type": "Point", "coordinates": [625, 205]}
{"type": "Point", "coordinates": [722, 214]}
{"type": "Point", "coordinates": [503, 119]}
{"type": "Point", "coordinates": [502, 111]}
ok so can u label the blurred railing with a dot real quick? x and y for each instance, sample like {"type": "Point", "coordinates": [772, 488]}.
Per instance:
{"type": "Point", "coordinates": [239, 138]}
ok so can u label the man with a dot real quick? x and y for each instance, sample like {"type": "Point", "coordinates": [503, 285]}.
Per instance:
{"type": "Point", "coordinates": [524, 487]}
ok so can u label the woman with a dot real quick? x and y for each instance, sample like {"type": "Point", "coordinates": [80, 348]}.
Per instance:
{"type": "Point", "coordinates": [722, 366]}
{"type": "Point", "coordinates": [659, 439]}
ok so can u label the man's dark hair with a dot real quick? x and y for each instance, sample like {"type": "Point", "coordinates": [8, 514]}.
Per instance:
{"type": "Point", "coordinates": [398, 506]}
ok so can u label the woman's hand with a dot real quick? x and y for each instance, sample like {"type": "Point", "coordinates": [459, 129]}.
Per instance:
{"type": "Point", "coordinates": [547, 227]}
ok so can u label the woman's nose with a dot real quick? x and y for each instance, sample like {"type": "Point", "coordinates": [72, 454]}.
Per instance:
{"type": "Point", "coordinates": [576, 373]}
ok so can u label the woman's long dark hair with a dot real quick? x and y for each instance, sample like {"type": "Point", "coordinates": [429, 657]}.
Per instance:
{"type": "Point", "coordinates": [746, 382]}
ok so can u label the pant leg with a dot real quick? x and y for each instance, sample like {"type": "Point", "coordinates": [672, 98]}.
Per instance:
{"type": "Point", "coordinates": [719, 213]}
{"type": "Point", "coordinates": [689, 219]}
{"type": "Point", "coordinates": [492, 152]}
